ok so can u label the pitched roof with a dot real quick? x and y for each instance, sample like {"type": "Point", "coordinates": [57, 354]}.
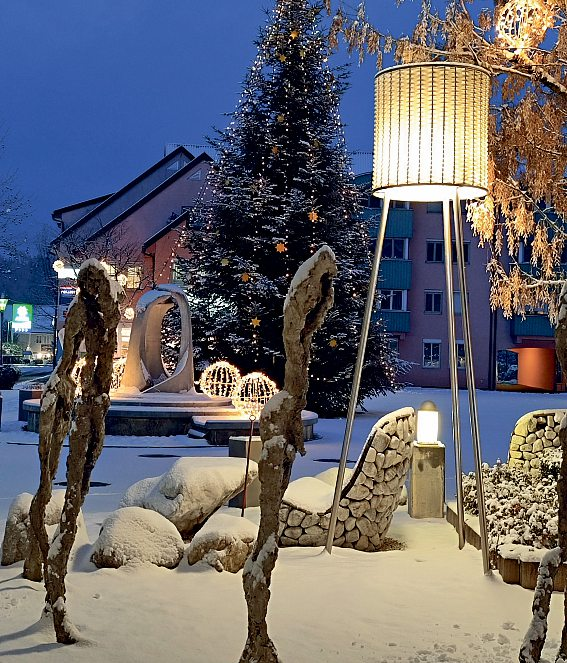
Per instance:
{"type": "Point", "coordinates": [180, 218]}
{"type": "Point", "coordinates": [115, 196]}
{"type": "Point", "coordinates": [57, 213]}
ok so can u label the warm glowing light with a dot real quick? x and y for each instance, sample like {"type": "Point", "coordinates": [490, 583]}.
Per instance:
{"type": "Point", "coordinates": [58, 265]}
{"type": "Point", "coordinates": [253, 392]}
{"type": "Point", "coordinates": [431, 131]}
{"type": "Point", "coordinates": [122, 279]}
{"type": "Point", "coordinates": [220, 379]}
{"type": "Point", "coordinates": [522, 24]}
{"type": "Point", "coordinates": [118, 366]}
{"type": "Point", "coordinates": [427, 423]}
{"type": "Point", "coordinates": [129, 313]}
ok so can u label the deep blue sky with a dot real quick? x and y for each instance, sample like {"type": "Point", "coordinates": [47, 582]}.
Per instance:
{"type": "Point", "coordinates": [91, 91]}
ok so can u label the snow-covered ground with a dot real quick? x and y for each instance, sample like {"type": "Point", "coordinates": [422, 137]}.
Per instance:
{"type": "Point", "coordinates": [429, 602]}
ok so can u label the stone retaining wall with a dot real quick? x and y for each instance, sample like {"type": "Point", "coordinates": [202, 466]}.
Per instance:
{"type": "Point", "coordinates": [533, 434]}
{"type": "Point", "coordinates": [369, 499]}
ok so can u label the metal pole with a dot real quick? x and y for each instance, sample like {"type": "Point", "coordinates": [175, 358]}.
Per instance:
{"type": "Point", "coordinates": [1, 338]}
{"type": "Point", "coordinates": [358, 371]}
{"type": "Point", "coordinates": [473, 410]}
{"type": "Point", "coordinates": [55, 324]}
{"type": "Point", "coordinates": [455, 415]}
{"type": "Point", "coordinates": [249, 444]}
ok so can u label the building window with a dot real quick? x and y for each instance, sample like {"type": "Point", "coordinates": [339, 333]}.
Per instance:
{"type": "Point", "coordinates": [431, 353]}
{"type": "Point", "coordinates": [466, 251]}
{"type": "Point", "coordinates": [395, 249]}
{"type": "Point", "coordinates": [525, 252]}
{"type": "Point", "coordinates": [460, 354]}
{"type": "Point", "coordinates": [133, 276]}
{"type": "Point", "coordinates": [433, 301]}
{"type": "Point", "coordinates": [393, 300]}
{"type": "Point", "coordinates": [394, 344]}
{"type": "Point", "coordinates": [434, 251]}
{"type": "Point", "coordinates": [434, 208]}
{"type": "Point", "coordinates": [177, 271]}
{"type": "Point", "coordinates": [400, 204]}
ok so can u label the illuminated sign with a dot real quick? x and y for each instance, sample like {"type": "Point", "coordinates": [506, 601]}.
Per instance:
{"type": "Point", "coordinates": [22, 317]}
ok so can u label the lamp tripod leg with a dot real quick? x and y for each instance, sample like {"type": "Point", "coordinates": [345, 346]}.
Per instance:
{"type": "Point", "coordinates": [473, 409]}
{"type": "Point", "coordinates": [358, 372]}
{"type": "Point", "coordinates": [456, 423]}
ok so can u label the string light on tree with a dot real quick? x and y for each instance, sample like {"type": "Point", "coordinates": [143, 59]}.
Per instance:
{"type": "Point", "coordinates": [252, 393]}
{"type": "Point", "coordinates": [220, 379]}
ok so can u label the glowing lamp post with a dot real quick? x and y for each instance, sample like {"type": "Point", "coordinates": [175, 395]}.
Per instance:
{"type": "Point", "coordinates": [427, 423]}
{"type": "Point", "coordinates": [3, 304]}
{"type": "Point", "coordinates": [430, 144]}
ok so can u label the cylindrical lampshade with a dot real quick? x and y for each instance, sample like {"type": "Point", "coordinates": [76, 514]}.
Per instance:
{"type": "Point", "coordinates": [431, 131]}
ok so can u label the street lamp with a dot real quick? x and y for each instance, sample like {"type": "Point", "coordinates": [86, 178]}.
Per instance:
{"type": "Point", "coordinates": [3, 304]}
{"type": "Point", "coordinates": [427, 423]}
{"type": "Point", "coordinates": [430, 144]}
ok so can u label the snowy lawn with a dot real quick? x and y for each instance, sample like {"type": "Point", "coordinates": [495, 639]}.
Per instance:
{"type": "Point", "coordinates": [429, 602]}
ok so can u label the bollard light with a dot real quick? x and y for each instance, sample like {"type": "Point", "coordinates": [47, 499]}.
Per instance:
{"type": "Point", "coordinates": [427, 423]}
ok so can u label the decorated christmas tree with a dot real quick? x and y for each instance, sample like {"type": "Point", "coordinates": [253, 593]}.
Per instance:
{"type": "Point", "coordinates": [282, 187]}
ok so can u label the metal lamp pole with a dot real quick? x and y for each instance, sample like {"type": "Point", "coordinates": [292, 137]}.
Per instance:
{"type": "Point", "coordinates": [358, 371]}
{"type": "Point", "coordinates": [3, 304]}
{"type": "Point", "coordinates": [58, 265]}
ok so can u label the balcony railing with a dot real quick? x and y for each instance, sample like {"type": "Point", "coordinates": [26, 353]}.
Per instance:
{"type": "Point", "coordinates": [532, 325]}
{"type": "Point", "coordinates": [395, 274]}
{"type": "Point", "coordinates": [394, 321]}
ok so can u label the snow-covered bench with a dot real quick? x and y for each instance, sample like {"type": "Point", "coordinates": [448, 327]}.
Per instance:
{"type": "Point", "coordinates": [370, 494]}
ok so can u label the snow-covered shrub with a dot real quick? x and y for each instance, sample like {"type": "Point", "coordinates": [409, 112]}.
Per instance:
{"type": "Point", "coordinates": [520, 508]}
{"type": "Point", "coordinates": [9, 376]}
{"type": "Point", "coordinates": [550, 465]}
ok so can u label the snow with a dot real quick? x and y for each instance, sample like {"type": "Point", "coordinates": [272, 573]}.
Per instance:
{"type": "Point", "coordinates": [135, 536]}
{"type": "Point", "coordinates": [427, 603]}
{"type": "Point", "coordinates": [191, 488]}
{"type": "Point", "coordinates": [310, 494]}
{"type": "Point", "coordinates": [147, 298]}
{"type": "Point", "coordinates": [227, 524]}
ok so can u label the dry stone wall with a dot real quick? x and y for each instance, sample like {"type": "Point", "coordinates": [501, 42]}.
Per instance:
{"type": "Point", "coordinates": [368, 500]}
{"type": "Point", "coordinates": [533, 434]}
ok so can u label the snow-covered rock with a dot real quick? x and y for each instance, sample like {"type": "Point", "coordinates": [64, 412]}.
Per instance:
{"type": "Point", "coordinates": [16, 534]}
{"type": "Point", "coordinates": [224, 542]}
{"type": "Point", "coordinates": [133, 535]}
{"type": "Point", "coordinates": [191, 490]}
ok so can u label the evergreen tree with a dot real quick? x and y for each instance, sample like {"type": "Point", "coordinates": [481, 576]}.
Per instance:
{"type": "Point", "coordinates": [281, 188]}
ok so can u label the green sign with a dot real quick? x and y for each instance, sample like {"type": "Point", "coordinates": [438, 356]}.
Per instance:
{"type": "Point", "coordinates": [22, 317]}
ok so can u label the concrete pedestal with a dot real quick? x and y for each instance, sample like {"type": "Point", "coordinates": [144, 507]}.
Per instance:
{"type": "Point", "coordinates": [427, 481]}
{"type": "Point", "coordinates": [237, 448]}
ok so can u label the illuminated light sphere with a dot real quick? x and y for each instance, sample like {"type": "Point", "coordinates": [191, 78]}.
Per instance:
{"type": "Point", "coordinates": [220, 379]}
{"type": "Point", "coordinates": [122, 279]}
{"type": "Point", "coordinates": [431, 131]}
{"type": "Point", "coordinates": [523, 23]}
{"type": "Point", "coordinates": [129, 313]}
{"type": "Point", "coordinates": [58, 265]}
{"type": "Point", "coordinates": [253, 392]}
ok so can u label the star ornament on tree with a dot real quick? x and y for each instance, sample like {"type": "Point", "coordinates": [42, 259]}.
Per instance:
{"type": "Point", "coordinates": [282, 57]}
{"type": "Point", "coordinates": [333, 342]}
{"type": "Point", "coordinates": [245, 277]}
{"type": "Point", "coordinates": [280, 117]}
{"type": "Point", "coordinates": [281, 247]}
{"type": "Point", "coordinates": [313, 216]}
{"type": "Point", "coordinates": [224, 262]}
{"type": "Point", "coordinates": [255, 322]}
{"type": "Point", "coordinates": [275, 149]}
{"type": "Point", "coordinates": [294, 34]}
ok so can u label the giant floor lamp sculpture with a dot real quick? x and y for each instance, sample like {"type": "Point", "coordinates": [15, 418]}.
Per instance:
{"type": "Point", "coordinates": [430, 144]}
